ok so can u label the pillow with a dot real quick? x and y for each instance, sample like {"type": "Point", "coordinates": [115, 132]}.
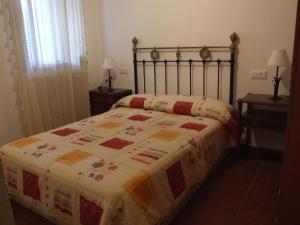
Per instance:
{"type": "Point", "coordinates": [186, 105]}
{"type": "Point", "coordinates": [180, 104]}
{"type": "Point", "coordinates": [144, 101]}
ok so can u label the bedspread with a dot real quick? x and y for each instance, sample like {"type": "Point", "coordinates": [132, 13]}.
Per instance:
{"type": "Point", "coordinates": [127, 166]}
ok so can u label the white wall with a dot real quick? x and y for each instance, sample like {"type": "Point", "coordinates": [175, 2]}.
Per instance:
{"type": "Point", "coordinates": [95, 47]}
{"type": "Point", "coordinates": [10, 126]}
{"type": "Point", "coordinates": [263, 25]}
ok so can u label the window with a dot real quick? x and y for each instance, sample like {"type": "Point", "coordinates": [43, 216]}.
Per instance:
{"type": "Point", "coordinates": [53, 32]}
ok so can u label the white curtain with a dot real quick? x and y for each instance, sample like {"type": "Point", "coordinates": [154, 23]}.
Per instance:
{"type": "Point", "coordinates": [47, 53]}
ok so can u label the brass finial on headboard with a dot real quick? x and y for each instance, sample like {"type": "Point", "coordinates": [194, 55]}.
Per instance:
{"type": "Point", "coordinates": [235, 40]}
{"type": "Point", "coordinates": [135, 41]}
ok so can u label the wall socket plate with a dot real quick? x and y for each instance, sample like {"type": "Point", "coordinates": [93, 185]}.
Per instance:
{"type": "Point", "coordinates": [258, 75]}
{"type": "Point", "coordinates": [123, 71]}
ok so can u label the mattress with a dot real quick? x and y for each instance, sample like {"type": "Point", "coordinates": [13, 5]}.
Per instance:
{"type": "Point", "coordinates": [127, 166]}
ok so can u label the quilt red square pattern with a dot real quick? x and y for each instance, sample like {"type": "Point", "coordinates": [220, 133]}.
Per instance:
{"type": "Point", "coordinates": [65, 132]}
{"type": "Point", "coordinates": [138, 117]}
{"type": "Point", "coordinates": [176, 179]}
{"type": "Point", "coordinates": [194, 126]}
{"type": "Point", "coordinates": [90, 213]}
{"type": "Point", "coordinates": [116, 143]}
{"type": "Point", "coordinates": [182, 108]}
{"type": "Point", "coordinates": [137, 102]}
{"type": "Point", "coordinates": [31, 185]}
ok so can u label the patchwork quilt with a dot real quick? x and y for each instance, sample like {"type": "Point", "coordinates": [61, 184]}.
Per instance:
{"type": "Point", "coordinates": [132, 165]}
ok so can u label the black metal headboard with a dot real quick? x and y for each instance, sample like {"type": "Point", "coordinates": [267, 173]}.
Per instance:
{"type": "Point", "coordinates": [206, 58]}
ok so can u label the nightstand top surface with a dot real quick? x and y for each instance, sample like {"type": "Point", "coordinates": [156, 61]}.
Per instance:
{"type": "Point", "coordinates": [114, 91]}
{"type": "Point", "coordinates": [261, 99]}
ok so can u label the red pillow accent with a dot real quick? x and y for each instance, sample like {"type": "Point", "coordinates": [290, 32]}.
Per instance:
{"type": "Point", "coordinates": [176, 179]}
{"type": "Point", "coordinates": [116, 143]}
{"type": "Point", "coordinates": [139, 117]}
{"type": "Point", "coordinates": [65, 132]}
{"type": "Point", "coordinates": [90, 213]}
{"type": "Point", "coordinates": [137, 102]}
{"type": "Point", "coordinates": [182, 108]}
{"type": "Point", "coordinates": [31, 185]}
{"type": "Point", "coordinates": [194, 126]}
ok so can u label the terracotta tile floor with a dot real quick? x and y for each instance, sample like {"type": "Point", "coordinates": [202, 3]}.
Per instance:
{"type": "Point", "coordinates": [242, 191]}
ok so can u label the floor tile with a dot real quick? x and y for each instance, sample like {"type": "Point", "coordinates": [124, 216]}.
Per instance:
{"type": "Point", "coordinates": [37, 220]}
{"type": "Point", "coordinates": [271, 170]}
{"type": "Point", "coordinates": [246, 222]}
{"type": "Point", "coordinates": [225, 201]}
{"type": "Point", "coordinates": [205, 217]}
{"type": "Point", "coordinates": [234, 181]}
{"type": "Point", "coordinates": [242, 165]}
{"type": "Point", "coordinates": [264, 187]}
{"type": "Point", "coordinates": [259, 210]}
{"type": "Point", "coordinates": [20, 213]}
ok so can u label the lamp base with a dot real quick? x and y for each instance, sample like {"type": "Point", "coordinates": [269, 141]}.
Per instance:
{"type": "Point", "coordinates": [275, 99]}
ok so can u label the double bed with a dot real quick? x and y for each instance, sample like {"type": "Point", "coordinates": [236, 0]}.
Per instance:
{"type": "Point", "coordinates": [135, 164]}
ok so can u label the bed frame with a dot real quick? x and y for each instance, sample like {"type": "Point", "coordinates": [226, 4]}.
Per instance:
{"type": "Point", "coordinates": [206, 59]}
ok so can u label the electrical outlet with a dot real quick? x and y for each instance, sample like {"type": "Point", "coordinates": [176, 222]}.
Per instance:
{"type": "Point", "coordinates": [258, 74]}
{"type": "Point", "coordinates": [123, 71]}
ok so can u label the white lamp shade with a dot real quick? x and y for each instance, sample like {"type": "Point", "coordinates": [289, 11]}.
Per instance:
{"type": "Point", "coordinates": [278, 57]}
{"type": "Point", "coordinates": [108, 64]}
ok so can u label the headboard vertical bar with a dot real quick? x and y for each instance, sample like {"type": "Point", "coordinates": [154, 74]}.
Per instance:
{"type": "Point", "coordinates": [190, 62]}
{"type": "Point", "coordinates": [178, 85]}
{"type": "Point", "coordinates": [134, 49]}
{"type": "Point", "coordinates": [204, 80]}
{"type": "Point", "coordinates": [166, 78]}
{"type": "Point", "coordinates": [144, 74]}
{"type": "Point", "coordinates": [235, 40]}
{"type": "Point", "coordinates": [154, 67]}
{"type": "Point", "coordinates": [219, 62]}
{"type": "Point", "coordinates": [232, 66]}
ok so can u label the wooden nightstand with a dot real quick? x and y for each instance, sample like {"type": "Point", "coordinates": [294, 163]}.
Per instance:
{"type": "Point", "coordinates": [102, 100]}
{"type": "Point", "coordinates": [263, 113]}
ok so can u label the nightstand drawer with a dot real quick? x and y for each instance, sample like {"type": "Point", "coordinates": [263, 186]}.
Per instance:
{"type": "Point", "coordinates": [272, 120]}
{"type": "Point", "coordinates": [271, 125]}
{"type": "Point", "coordinates": [100, 108]}
{"type": "Point", "coordinates": [95, 97]}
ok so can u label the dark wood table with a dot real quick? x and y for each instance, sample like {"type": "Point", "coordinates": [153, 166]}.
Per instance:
{"type": "Point", "coordinates": [263, 112]}
{"type": "Point", "coordinates": [101, 100]}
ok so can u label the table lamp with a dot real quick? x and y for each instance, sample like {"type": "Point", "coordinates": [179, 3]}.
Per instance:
{"type": "Point", "coordinates": [108, 65]}
{"type": "Point", "coordinates": [277, 58]}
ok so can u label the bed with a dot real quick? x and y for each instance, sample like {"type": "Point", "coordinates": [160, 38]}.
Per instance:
{"type": "Point", "coordinates": [135, 164]}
